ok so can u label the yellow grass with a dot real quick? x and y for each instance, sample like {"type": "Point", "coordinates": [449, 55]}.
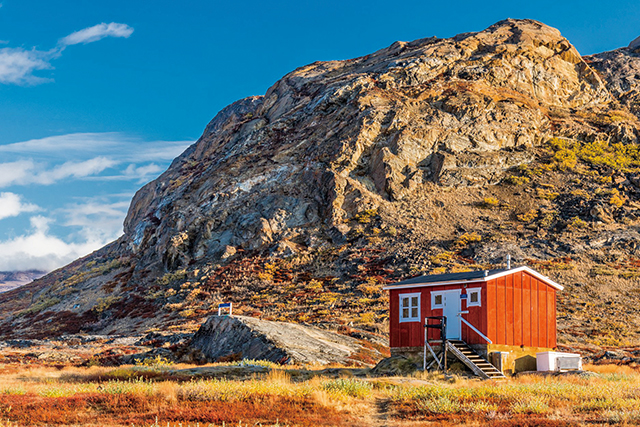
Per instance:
{"type": "Point", "coordinates": [610, 395]}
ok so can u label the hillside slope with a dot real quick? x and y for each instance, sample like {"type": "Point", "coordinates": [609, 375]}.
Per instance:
{"type": "Point", "coordinates": [433, 155]}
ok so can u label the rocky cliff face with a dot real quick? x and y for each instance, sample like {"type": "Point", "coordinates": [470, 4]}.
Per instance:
{"type": "Point", "coordinates": [436, 154]}
{"type": "Point", "coordinates": [621, 70]}
{"type": "Point", "coordinates": [333, 139]}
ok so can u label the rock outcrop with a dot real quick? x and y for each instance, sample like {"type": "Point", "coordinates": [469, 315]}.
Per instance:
{"type": "Point", "coordinates": [620, 70]}
{"type": "Point", "coordinates": [227, 338]}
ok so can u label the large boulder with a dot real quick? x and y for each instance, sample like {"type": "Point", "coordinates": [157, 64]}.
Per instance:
{"type": "Point", "coordinates": [239, 337]}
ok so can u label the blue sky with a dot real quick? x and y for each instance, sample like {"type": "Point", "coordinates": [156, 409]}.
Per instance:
{"type": "Point", "coordinates": [97, 97]}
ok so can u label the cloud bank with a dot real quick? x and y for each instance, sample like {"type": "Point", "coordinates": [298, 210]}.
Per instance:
{"type": "Point", "coordinates": [40, 250]}
{"type": "Point", "coordinates": [128, 158]}
{"type": "Point", "coordinates": [92, 178]}
{"type": "Point", "coordinates": [18, 65]}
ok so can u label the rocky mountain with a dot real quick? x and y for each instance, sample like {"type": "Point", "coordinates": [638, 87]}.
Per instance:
{"type": "Point", "coordinates": [13, 279]}
{"type": "Point", "coordinates": [432, 155]}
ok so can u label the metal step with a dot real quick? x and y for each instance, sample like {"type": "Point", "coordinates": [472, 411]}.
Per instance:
{"type": "Point", "coordinates": [473, 360]}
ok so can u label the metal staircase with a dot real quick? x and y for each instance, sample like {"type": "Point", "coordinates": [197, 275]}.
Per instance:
{"type": "Point", "coordinates": [472, 360]}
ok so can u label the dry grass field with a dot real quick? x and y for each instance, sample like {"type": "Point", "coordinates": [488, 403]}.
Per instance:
{"type": "Point", "coordinates": [155, 396]}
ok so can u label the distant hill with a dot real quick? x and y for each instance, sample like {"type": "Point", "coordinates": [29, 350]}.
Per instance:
{"type": "Point", "coordinates": [13, 279]}
{"type": "Point", "coordinates": [428, 156]}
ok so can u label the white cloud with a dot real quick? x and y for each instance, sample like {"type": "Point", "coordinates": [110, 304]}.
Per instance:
{"type": "Point", "coordinates": [142, 171]}
{"type": "Point", "coordinates": [97, 32]}
{"type": "Point", "coordinates": [115, 145]}
{"type": "Point", "coordinates": [15, 172]}
{"type": "Point", "coordinates": [140, 174]}
{"type": "Point", "coordinates": [85, 142]}
{"type": "Point", "coordinates": [99, 219]}
{"type": "Point", "coordinates": [39, 250]}
{"type": "Point", "coordinates": [11, 204]}
{"type": "Point", "coordinates": [91, 154]}
{"type": "Point", "coordinates": [18, 65]}
{"type": "Point", "coordinates": [73, 170]}
{"type": "Point", "coordinates": [24, 172]}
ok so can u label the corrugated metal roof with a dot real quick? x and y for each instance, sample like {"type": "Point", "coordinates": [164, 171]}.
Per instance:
{"type": "Point", "coordinates": [449, 277]}
{"type": "Point", "coordinates": [482, 275]}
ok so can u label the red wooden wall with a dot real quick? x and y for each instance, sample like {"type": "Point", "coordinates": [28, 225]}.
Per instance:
{"type": "Point", "coordinates": [517, 309]}
{"type": "Point", "coordinates": [406, 334]}
{"type": "Point", "coordinates": [411, 334]}
{"type": "Point", "coordinates": [521, 311]}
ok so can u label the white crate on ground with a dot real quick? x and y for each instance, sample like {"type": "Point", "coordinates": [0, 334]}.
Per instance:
{"type": "Point", "coordinates": [558, 361]}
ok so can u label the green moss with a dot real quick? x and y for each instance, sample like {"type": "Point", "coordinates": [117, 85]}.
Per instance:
{"type": "Point", "coordinates": [41, 304]}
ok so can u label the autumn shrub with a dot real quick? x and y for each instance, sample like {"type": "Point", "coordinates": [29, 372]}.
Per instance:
{"type": "Point", "coordinates": [466, 239]}
{"type": "Point", "coordinates": [314, 285]}
{"type": "Point", "coordinates": [366, 216]}
{"type": "Point", "coordinates": [616, 200]}
{"type": "Point", "coordinates": [528, 216]}
{"type": "Point", "coordinates": [517, 180]}
{"type": "Point", "coordinates": [565, 159]}
{"type": "Point", "coordinates": [581, 193]}
{"type": "Point", "coordinates": [442, 258]}
{"type": "Point", "coordinates": [367, 318]}
{"type": "Point", "coordinates": [576, 223]}
{"type": "Point", "coordinates": [543, 193]}
{"type": "Point", "coordinates": [171, 277]}
{"type": "Point", "coordinates": [490, 202]}
{"type": "Point", "coordinates": [370, 287]}
{"type": "Point", "coordinates": [617, 156]}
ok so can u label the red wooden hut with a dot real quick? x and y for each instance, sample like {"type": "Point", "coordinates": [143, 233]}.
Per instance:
{"type": "Point", "coordinates": [510, 311]}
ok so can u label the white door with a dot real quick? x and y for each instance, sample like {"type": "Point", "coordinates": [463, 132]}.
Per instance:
{"type": "Point", "coordinates": [451, 300]}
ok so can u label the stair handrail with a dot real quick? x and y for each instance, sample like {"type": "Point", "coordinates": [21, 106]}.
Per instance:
{"type": "Point", "coordinates": [442, 326]}
{"type": "Point", "coordinates": [464, 359]}
{"type": "Point", "coordinates": [483, 336]}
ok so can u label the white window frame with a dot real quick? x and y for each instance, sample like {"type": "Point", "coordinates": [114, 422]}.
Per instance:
{"type": "Point", "coordinates": [435, 306]}
{"type": "Point", "coordinates": [474, 304]}
{"type": "Point", "coordinates": [410, 318]}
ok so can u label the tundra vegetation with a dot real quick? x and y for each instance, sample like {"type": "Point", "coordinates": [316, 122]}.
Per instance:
{"type": "Point", "coordinates": [159, 394]}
